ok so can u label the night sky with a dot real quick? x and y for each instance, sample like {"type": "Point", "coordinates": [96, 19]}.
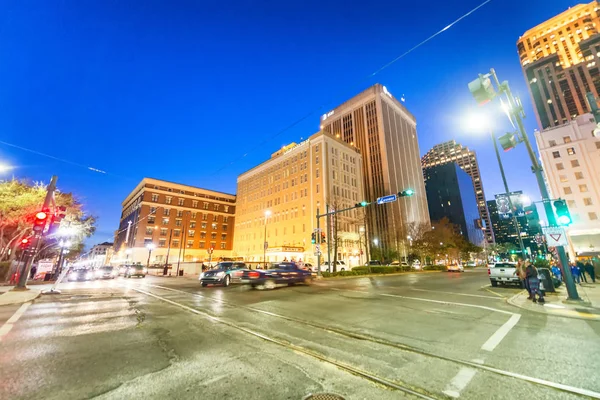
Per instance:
{"type": "Point", "coordinates": [197, 92]}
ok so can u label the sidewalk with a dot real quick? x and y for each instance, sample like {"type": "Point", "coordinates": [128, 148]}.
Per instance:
{"type": "Point", "coordinates": [9, 296]}
{"type": "Point", "coordinates": [558, 305]}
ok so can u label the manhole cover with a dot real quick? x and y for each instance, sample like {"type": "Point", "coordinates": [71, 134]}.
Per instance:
{"type": "Point", "coordinates": [323, 396]}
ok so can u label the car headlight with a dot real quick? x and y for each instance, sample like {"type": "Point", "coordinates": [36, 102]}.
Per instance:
{"type": "Point", "coordinates": [89, 275]}
{"type": "Point", "coordinates": [145, 270]}
{"type": "Point", "coordinates": [220, 274]}
{"type": "Point", "coordinates": [98, 273]}
{"type": "Point", "coordinates": [202, 275]}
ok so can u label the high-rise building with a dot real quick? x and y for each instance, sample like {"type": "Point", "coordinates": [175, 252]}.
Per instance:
{"type": "Point", "coordinates": [385, 133]}
{"type": "Point", "coordinates": [560, 59]}
{"type": "Point", "coordinates": [278, 200]}
{"type": "Point", "coordinates": [570, 155]}
{"type": "Point", "coordinates": [181, 221]}
{"type": "Point", "coordinates": [505, 231]}
{"type": "Point", "coordinates": [452, 152]}
{"type": "Point", "coordinates": [450, 194]}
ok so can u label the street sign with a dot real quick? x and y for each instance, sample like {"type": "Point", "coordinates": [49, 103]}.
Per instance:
{"type": "Point", "coordinates": [317, 248]}
{"type": "Point", "coordinates": [387, 199]}
{"type": "Point", "coordinates": [555, 236]}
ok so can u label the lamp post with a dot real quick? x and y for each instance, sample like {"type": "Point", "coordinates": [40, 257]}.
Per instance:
{"type": "Point", "coordinates": [265, 244]}
{"type": "Point", "coordinates": [483, 91]}
{"type": "Point", "coordinates": [150, 247]}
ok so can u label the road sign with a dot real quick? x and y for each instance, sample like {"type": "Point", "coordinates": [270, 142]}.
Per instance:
{"type": "Point", "coordinates": [555, 236]}
{"type": "Point", "coordinates": [317, 248]}
{"type": "Point", "coordinates": [387, 199]}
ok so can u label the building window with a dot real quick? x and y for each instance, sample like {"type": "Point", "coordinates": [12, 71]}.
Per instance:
{"type": "Point", "coordinates": [151, 220]}
{"type": "Point", "coordinates": [163, 231]}
{"type": "Point", "coordinates": [175, 243]}
{"type": "Point", "coordinates": [180, 213]}
{"type": "Point", "coordinates": [578, 175]}
{"type": "Point", "coordinates": [215, 217]}
{"type": "Point", "coordinates": [574, 163]}
{"type": "Point", "coordinates": [204, 217]}
{"type": "Point", "coordinates": [223, 236]}
{"type": "Point", "coordinates": [216, 207]}
{"type": "Point", "coordinates": [317, 188]}
{"type": "Point", "coordinates": [162, 243]}
{"type": "Point", "coordinates": [587, 201]}
{"type": "Point", "coordinates": [201, 245]}
{"type": "Point", "coordinates": [166, 211]}
{"type": "Point", "coordinates": [214, 226]}
{"type": "Point", "coordinates": [190, 244]}
{"type": "Point", "coordinates": [556, 154]}
{"type": "Point", "coordinates": [226, 208]}
{"type": "Point", "coordinates": [192, 224]}
{"type": "Point", "coordinates": [203, 225]}
{"type": "Point", "coordinates": [168, 200]}
{"type": "Point", "coordinates": [195, 203]}
{"type": "Point", "coordinates": [177, 222]}
{"type": "Point", "coordinates": [213, 235]}
{"type": "Point", "coordinates": [176, 232]}
{"type": "Point", "coordinates": [223, 245]}
{"type": "Point", "coordinates": [181, 202]}
{"type": "Point", "coordinates": [155, 197]}
{"type": "Point", "coordinates": [202, 235]}
{"type": "Point", "coordinates": [194, 215]}
{"type": "Point", "coordinates": [224, 227]}
{"type": "Point", "coordinates": [563, 178]}
{"type": "Point", "coordinates": [149, 230]}
{"type": "Point", "coordinates": [598, 145]}
{"type": "Point", "coordinates": [593, 216]}
{"type": "Point", "coordinates": [583, 188]}
{"type": "Point", "coordinates": [567, 139]}
{"type": "Point", "coordinates": [225, 219]}
{"type": "Point", "coordinates": [567, 190]}
{"type": "Point", "coordinates": [191, 233]}
{"type": "Point", "coordinates": [165, 221]}
{"type": "Point", "coordinates": [316, 159]}
{"type": "Point", "coordinates": [560, 166]}
{"type": "Point", "coordinates": [205, 205]}
{"type": "Point", "coordinates": [317, 173]}
{"type": "Point", "coordinates": [213, 245]}
{"type": "Point", "coordinates": [552, 143]}
{"type": "Point", "coordinates": [571, 151]}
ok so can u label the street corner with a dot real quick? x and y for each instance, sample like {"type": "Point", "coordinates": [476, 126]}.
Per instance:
{"type": "Point", "coordinates": [555, 306]}
{"type": "Point", "coordinates": [18, 296]}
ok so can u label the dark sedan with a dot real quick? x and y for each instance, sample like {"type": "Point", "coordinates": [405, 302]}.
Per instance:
{"type": "Point", "coordinates": [277, 274]}
{"type": "Point", "coordinates": [222, 273]}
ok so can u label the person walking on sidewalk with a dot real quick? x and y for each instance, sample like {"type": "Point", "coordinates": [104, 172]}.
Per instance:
{"type": "Point", "coordinates": [589, 268]}
{"type": "Point", "coordinates": [575, 273]}
{"type": "Point", "coordinates": [556, 272]}
{"type": "Point", "coordinates": [523, 276]}
{"type": "Point", "coordinates": [581, 268]}
{"type": "Point", "coordinates": [534, 284]}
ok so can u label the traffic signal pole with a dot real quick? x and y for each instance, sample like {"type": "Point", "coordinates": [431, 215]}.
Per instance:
{"type": "Point", "coordinates": [37, 238]}
{"type": "Point", "coordinates": [515, 111]}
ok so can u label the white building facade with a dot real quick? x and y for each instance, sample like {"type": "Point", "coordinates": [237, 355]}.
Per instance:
{"type": "Point", "coordinates": [570, 155]}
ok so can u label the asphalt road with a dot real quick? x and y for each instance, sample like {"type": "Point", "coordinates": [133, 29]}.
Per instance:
{"type": "Point", "coordinates": [428, 335]}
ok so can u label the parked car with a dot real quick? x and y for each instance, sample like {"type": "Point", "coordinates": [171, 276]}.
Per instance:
{"type": "Point", "coordinates": [278, 274]}
{"type": "Point", "coordinates": [123, 269]}
{"type": "Point", "coordinates": [223, 273]}
{"type": "Point", "coordinates": [503, 272]}
{"type": "Point", "coordinates": [341, 265]}
{"type": "Point", "coordinates": [455, 268]}
{"type": "Point", "coordinates": [136, 270]}
{"type": "Point", "coordinates": [81, 274]}
{"type": "Point", "coordinates": [106, 272]}
{"type": "Point", "coordinates": [373, 263]}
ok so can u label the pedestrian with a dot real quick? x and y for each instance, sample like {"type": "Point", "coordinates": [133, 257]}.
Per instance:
{"type": "Point", "coordinates": [534, 284]}
{"type": "Point", "coordinates": [32, 272]}
{"type": "Point", "coordinates": [523, 276]}
{"type": "Point", "coordinates": [556, 272]}
{"type": "Point", "coordinates": [581, 269]}
{"type": "Point", "coordinates": [589, 268]}
{"type": "Point", "coordinates": [575, 273]}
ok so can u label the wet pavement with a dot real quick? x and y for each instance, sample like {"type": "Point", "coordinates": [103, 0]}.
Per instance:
{"type": "Point", "coordinates": [434, 335]}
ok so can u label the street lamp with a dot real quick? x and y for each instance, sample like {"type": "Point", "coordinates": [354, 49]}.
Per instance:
{"type": "Point", "coordinates": [265, 244]}
{"type": "Point", "coordinates": [150, 247]}
{"type": "Point", "coordinates": [5, 167]}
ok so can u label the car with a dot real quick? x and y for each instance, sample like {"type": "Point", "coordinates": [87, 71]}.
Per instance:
{"type": "Point", "coordinates": [106, 272]}
{"type": "Point", "coordinates": [341, 265]}
{"type": "Point", "coordinates": [455, 268]}
{"type": "Point", "coordinates": [123, 269]}
{"type": "Point", "coordinates": [136, 270]}
{"type": "Point", "coordinates": [503, 272]}
{"type": "Point", "coordinates": [223, 273]}
{"type": "Point", "coordinates": [81, 274]}
{"type": "Point", "coordinates": [278, 274]}
{"type": "Point", "coordinates": [372, 263]}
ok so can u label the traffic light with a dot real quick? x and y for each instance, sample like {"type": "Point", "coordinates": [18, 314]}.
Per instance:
{"type": "Point", "coordinates": [508, 141]}
{"type": "Point", "coordinates": [25, 243]}
{"type": "Point", "coordinates": [406, 193]}
{"type": "Point", "coordinates": [562, 212]}
{"type": "Point", "coordinates": [56, 219]}
{"type": "Point", "coordinates": [313, 238]}
{"type": "Point", "coordinates": [362, 204]}
{"type": "Point", "coordinates": [482, 90]}
{"type": "Point", "coordinates": [39, 224]}
{"type": "Point", "coordinates": [322, 237]}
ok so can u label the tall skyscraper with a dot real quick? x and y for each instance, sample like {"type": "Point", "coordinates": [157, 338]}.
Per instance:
{"type": "Point", "coordinates": [452, 152]}
{"type": "Point", "coordinates": [385, 133]}
{"type": "Point", "coordinates": [450, 194]}
{"type": "Point", "coordinates": [570, 156]}
{"type": "Point", "coordinates": [278, 202]}
{"type": "Point", "coordinates": [560, 59]}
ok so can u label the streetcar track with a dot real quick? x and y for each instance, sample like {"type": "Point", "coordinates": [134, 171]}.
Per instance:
{"type": "Point", "coordinates": [399, 346]}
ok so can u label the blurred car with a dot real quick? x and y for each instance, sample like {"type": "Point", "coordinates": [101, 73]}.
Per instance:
{"type": "Point", "coordinates": [224, 273]}
{"type": "Point", "coordinates": [372, 263]}
{"type": "Point", "coordinates": [123, 269]}
{"type": "Point", "coordinates": [81, 274]}
{"type": "Point", "coordinates": [278, 274]}
{"type": "Point", "coordinates": [455, 268]}
{"type": "Point", "coordinates": [136, 270]}
{"type": "Point", "coordinates": [106, 272]}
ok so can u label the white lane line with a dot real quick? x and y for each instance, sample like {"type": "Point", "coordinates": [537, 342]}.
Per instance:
{"type": "Point", "coordinates": [497, 337]}
{"type": "Point", "coordinates": [8, 325]}
{"type": "Point", "coordinates": [457, 294]}
{"type": "Point", "coordinates": [447, 302]}
{"type": "Point", "coordinates": [459, 382]}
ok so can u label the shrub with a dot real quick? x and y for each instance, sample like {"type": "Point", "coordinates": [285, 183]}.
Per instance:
{"type": "Point", "coordinates": [434, 268]}
{"type": "Point", "coordinates": [4, 268]}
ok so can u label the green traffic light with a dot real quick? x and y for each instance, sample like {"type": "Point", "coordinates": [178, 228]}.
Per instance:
{"type": "Point", "coordinates": [409, 192]}
{"type": "Point", "coordinates": [363, 203]}
{"type": "Point", "coordinates": [562, 212]}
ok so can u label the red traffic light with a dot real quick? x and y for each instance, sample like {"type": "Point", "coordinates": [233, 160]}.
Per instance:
{"type": "Point", "coordinates": [41, 215]}
{"type": "Point", "coordinates": [25, 241]}
{"type": "Point", "coordinates": [40, 221]}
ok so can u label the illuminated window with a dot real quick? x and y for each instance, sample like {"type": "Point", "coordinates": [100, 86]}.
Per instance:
{"type": "Point", "coordinates": [560, 166]}
{"type": "Point", "coordinates": [593, 216]}
{"type": "Point", "coordinates": [168, 200]}
{"type": "Point", "coordinates": [563, 178]}
{"type": "Point", "coordinates": [556, 154]}
{"type": "Point", "coordinates": [574, 163]}
{"type": "Point", "coordinates": [583, 188]}
{"type": "Point", "coordinates": [567, 190]}
{"type": "Point", "coordinates": [587, 201]}
{"type": "Point", "coordinates": [571, 151]}
{"type": "Point", "coordinates": [578, 175]}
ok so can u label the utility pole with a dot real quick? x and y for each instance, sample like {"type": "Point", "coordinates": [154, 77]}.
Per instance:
{"type": "Point", "coordinates": [328, 218]}
{"type": "Point", "coordinates": [37, 238]}
{"type": "Point", "coordinates": [318, 246]}
{"type": "Point", "coordinates": [168, 251]}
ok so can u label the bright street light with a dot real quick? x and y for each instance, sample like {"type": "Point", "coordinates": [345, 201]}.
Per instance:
{"type": "Point", "coordinates": [150, 246]}
{"type": "Point", "coordinates": [267, 213]}
{"type": "Point", "coordinates": [5, 167]}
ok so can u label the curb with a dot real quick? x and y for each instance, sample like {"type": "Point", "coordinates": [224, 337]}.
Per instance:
{"type": "Point", "coordinates": [565, 313]}
{"type": "Point", "coordinates": [20, 301]}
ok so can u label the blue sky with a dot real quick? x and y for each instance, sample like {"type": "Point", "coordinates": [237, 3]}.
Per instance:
{"type": "Point", "coordinates": [199, 91]}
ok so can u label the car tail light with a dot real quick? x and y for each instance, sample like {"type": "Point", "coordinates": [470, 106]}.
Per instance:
{"type": "Point", "coordinates": [489, 273]}
{"type": "Point", "coordinates": [253, 274]}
